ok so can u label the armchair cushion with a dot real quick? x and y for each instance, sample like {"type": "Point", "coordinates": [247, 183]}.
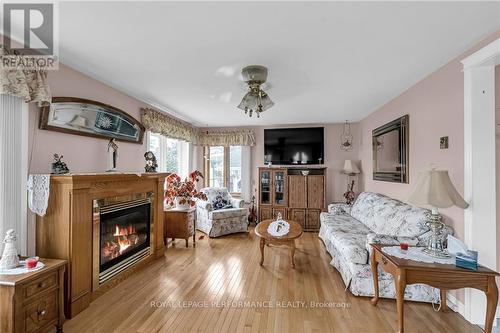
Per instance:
{"type": "Point", "coordinates": [218, 197]}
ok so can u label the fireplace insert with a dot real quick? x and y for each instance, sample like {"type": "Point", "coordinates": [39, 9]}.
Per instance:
{"type": "Point", "coordinates": [124, 233]}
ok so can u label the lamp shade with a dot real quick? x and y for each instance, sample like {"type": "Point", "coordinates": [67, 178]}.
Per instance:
{"type": "Point", "coordinates": [350, 168]}
{"type": "Point", "coordinates": [434, 188]}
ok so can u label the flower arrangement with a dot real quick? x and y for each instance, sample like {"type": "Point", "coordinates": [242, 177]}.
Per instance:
{"type": "Point", "coordinates": [182, 193]}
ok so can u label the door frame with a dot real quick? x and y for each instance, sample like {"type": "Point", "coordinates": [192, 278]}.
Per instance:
{"type": "Point", "coordinates": [479, 168]}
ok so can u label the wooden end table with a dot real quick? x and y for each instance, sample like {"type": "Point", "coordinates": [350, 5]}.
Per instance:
{"type": "Point", "coordinates": [287, 240]}
{"type": "Point", "coordinates": [444, 277]}
{"type": "Point", "coordinates": [180, 223]}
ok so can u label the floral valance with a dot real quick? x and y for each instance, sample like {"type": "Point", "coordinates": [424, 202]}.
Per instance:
{"type": "Point", "coordinates": [159, 122]}
{"type": "Point", "coordinates": [227, 138]}
{"type": "Point", "coordinates": [31, 85]}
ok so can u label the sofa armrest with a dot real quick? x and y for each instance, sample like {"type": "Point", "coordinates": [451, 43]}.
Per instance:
{"type": "Point", "coordinates": [205, 205]}
{"type": "Point", "coordinates": [339, 208]}
{"type": "Point", "coordinates": [373, 238]}
{"type": "Point", "coordinates": [424, 238]}
{"type": "Point", "coordinates": [237, 203]}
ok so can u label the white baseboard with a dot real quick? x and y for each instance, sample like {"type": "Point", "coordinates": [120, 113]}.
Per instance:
{"type": "Point", "coordinates": [457, 306]}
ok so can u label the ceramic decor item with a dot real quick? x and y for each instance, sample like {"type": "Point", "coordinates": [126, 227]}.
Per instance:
{"type": "Point", "coordinates": [9, 259]}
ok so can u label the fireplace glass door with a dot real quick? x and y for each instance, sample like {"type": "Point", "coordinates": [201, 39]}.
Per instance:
{"type": "Point", "coordinates": [124, 231]}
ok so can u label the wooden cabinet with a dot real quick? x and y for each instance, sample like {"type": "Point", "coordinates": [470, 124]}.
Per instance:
{"type": "Point", "coordinates": [297, 195]}
{"type": "Point", "coordinates": [34, 301]}
{"type": "Point", "coordinates": [180, 224]}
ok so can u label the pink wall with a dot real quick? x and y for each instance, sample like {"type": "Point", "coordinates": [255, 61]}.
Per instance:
{"type": "Point", "coordinates": [497, 137]}
{"type": "Point", "coordinates": [82, 154]}
{"type": "Point", "coordinates": [436, 108]}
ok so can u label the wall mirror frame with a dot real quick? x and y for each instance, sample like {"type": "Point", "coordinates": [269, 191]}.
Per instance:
{"type": "Point", "coordinates": [390, 151]}
{"type": "Point", "coordinates": [85, 117]}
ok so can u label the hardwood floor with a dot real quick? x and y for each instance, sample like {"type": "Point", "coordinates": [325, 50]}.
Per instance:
{"type": "Point", "coordinates": [227, 270]}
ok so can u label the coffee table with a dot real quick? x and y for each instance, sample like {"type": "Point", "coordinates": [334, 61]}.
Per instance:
{"type": "Point", "coordinates": [286, 240]}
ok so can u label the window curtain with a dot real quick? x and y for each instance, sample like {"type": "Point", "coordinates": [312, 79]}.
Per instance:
{"type": "Point", "coordinates": [13, 168]}
{"type": "Point", "coordinates": [159, 122]}
{"type": "Point", "coordinates": [246, 173]}
{"type": "Point", "coordinates": [30, 85]}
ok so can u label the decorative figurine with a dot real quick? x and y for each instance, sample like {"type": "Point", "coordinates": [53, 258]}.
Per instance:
{"type": "Point", "coordinates": [10, 258]}
{"type": "Point", "coordinates": [112, 155]}
{"type": "Point", "coordinates": [151, 163]}
{"type": "Point", "coordinates": [58, 166]}
{"type": "Point", "coordinates": [349, 195]}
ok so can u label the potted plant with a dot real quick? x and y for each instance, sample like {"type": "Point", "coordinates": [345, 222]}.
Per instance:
{"type": "Point", "coordinates": [181, 194]}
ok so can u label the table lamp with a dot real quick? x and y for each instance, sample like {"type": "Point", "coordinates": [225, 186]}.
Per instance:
{"type": "Point", "coordinates": [435, 189]}
{"type": "Point", "coordinates": [350, 169]}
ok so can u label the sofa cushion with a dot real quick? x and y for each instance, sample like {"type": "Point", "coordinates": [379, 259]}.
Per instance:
{"type": "Point", "coordinates": [226, 213]}
{"type": "Point", "coordinates": [389, 216]}
{"type": "Point", "coordinates": [342, 223]}
{"type": "Point", "coordinates": [352, 246]}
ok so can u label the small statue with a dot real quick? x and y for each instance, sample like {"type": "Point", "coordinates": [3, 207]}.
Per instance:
{"type": "Point", "coordinates": [112, 155]}
{"type": "Point", "coordinates": [58, 166]}
{"type": "Point", "coordinates": [151, 163]}
{"type": "Point", "coordinates": [349, 195]}
{"type": "Point", "coordinates": [9, 257]}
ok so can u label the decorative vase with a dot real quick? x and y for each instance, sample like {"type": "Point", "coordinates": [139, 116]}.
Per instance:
{"type": "Point", "coordinates": [179, 206]}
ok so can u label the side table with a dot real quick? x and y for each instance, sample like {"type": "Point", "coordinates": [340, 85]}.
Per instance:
{"type": "Point", "coordinates": [441, 276]}
{"type": "Point", "coordinates": [34, 301]}
{"type": "Point", "coordinates": [180, 224]}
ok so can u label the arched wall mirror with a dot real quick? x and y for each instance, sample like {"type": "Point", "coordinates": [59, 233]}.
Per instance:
{"type": "Point", "coordinates": [390, 151]}
{"type": "Point", "coordinates": [90, 118]}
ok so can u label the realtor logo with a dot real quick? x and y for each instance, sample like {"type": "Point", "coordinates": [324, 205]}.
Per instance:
{"type": "Point", "coordinates": [30, 31]}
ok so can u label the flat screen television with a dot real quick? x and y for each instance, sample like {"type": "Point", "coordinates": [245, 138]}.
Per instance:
{"type": "Point", "coordinates": [294, 146]}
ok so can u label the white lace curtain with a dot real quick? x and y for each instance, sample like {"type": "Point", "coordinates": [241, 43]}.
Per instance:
{"type": "Point", "coordinates": [159, 122]}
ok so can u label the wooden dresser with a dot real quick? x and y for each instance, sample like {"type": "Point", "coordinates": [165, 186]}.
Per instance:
{"type": "Point", "coordinates": [288, 191]}
{"type": "Point", "coordinates": [180, 224]}
{"type": "Point", "coordinates": [33, 302]}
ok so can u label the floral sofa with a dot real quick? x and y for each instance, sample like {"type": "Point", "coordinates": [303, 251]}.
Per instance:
{"type": "Point", "coordinates": [220, 214]}
{"type": "Point", "coordinates": [347, 232]}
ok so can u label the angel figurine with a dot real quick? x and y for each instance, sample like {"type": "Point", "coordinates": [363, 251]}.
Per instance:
{"type": "Point", "coordinates": [10, 258]}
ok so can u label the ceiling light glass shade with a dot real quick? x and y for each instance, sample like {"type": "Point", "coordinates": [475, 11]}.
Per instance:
{"type": "Point", "coordinates": [255, 102]}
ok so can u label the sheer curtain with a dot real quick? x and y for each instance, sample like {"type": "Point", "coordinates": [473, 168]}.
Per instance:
{"type": "Point", "coordinates": [13, 168]}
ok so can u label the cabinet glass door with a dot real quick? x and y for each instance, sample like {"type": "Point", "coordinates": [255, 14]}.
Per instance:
{"type": "Point", "coordinates": [279, 188]}
{"type": "Point", "coordinates": [265, 187]}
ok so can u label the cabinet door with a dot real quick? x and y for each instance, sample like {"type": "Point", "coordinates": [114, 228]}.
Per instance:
{"type": "Point", "coordinates": [265, 187]}
{"type": "Point", "coordinates": [265, 213]}
{"type": "Point", "coordinates": [312, 219]}
{"type": "Point", "coordinates": [279, 188]}
{"type": "Point", "coordinates": [315, 191]}
{"type": "Point", "coordinates": [299, 216]}
{"type": "Point", "coordinates": [297, 191]}
{"type": "Point", "coordinates": [281, 211]}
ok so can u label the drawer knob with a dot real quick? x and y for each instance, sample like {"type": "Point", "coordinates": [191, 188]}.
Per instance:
{"type": "Point", "coordinates": [42, 285]}
{"type": "Point", "coordinates": [384, 260]}
{"type": "Point", "coordinates": [42, 313]}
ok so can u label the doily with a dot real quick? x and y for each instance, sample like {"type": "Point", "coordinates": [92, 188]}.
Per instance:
{"type": "Point", "coordinates": [278, 228]}
{"type": "Point", "coordinates": [415, 253]}
{"type": "Point", "coordinates": [22, 269]}
{"type": "Point", "coordinates": [38, 193]}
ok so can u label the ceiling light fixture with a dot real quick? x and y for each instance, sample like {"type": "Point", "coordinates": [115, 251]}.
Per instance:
{"type": "Point", "coordinates": [256, 100]}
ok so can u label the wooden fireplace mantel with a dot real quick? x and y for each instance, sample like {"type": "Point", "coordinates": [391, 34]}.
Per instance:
{"type": "Point", "coordinates": [65, 232]}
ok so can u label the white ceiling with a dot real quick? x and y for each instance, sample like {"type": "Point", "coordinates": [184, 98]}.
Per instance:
{"type": "Point", "coordinates": [328, 61]}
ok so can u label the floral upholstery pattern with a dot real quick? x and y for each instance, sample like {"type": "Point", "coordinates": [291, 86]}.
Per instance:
{"type": "Point", "coordinates": [339, 208]}
{"type": "Point", "coordinates": [347, 240]}
{"type": "Point", "coordinates": [388, 216]}
{"type": "Point", "coordinates": [222, 221]}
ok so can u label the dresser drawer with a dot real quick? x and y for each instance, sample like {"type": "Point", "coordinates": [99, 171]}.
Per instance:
{"type": "Point", "coordinates": [40, 285]}
{"type": "Point", "coordinates": [41, 312]}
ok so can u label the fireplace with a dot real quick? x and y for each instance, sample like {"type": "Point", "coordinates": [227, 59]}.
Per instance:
{"type": "Point", "coordinates": [122, 233]}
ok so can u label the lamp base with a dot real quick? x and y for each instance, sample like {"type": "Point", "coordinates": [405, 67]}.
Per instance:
{"type": "Point", "coordinates": [435, 247]}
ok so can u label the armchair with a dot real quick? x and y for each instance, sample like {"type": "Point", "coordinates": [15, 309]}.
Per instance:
{"type": "Point", "coordinates": [220, 214]}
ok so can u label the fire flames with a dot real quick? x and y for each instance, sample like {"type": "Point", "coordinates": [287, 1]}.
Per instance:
{"type": "Point", "coordinates": [123, 238]}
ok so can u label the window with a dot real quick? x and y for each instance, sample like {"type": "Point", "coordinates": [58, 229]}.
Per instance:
{"type": "Point", "coordinates": [223, 167]}
{"type": "Point", "coordinates": [173, 155]}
